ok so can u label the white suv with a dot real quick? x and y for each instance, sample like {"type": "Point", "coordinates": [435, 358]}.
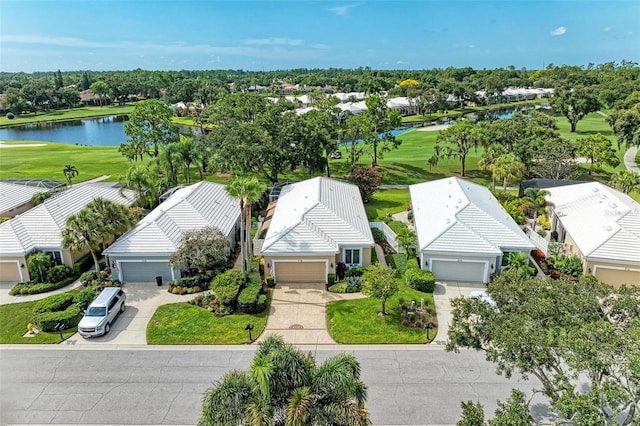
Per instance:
{"type": "Point", "coordinates": [101, 312]}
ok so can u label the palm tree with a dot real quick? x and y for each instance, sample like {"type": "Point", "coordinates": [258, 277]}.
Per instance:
{"type": "Point", "coordinates": [168, 162]}
{"type": "Point", "coordinates": [406, 238]}
{"type": "Point", "coordinates": [40, 197]}
{"type": "Point", "coordinates": [83, 232]}
{"type": "Point", "coordinates": [248, 191]}
{"type": "Point", "coordinates": [537, 197]}
{"type": "Point", "coordinates": [189, 154]}
{"type": "Point", "coordinates": [143, 183]}
{"type": "Point", "coordinates": [70, 172]}
{"type": "Point", "coordinates": [285, 387]}
{"type": "Point", "coordinates": [507, 167]}
{"type": "Point", "coordinates": [626, 181]}
{"type": "Point", "coordinates": [115, 219]}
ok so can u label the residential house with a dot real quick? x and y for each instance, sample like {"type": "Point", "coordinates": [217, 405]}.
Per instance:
{"type": "Point", "coordinates": [143, 253]}
{"type": "Point", "coordinates": [316, 224]}
{"type": "Point", "coordinates": [15, 198]}
{"type": "Point", "coordinates": [602, 226]}
{"type": "Point", "coordinates": [463, 233]}
{"type": "Point", "coordinates": [41, 227]}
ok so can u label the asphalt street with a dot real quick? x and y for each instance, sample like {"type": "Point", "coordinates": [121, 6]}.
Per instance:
{"type": "Point", "coordinates": [165, 385]}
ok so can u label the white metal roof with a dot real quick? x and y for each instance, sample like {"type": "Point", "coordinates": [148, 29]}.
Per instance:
{"type": "Point", "coordinates": [318, 215]}
{"type": "Point", "coordinates": [13, 195]}
{"type": "Point", "coordinates": [455, 215]}
{"type": "Point", "coordinates": [42, 226]}
{"type": "Point", "coordinates": [193, 207]}
{"type": "Point", "coordinates": [603, 222]}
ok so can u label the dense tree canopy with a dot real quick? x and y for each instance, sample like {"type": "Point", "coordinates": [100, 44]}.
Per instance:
{"type": "Point", "coordinates": [579, 339]}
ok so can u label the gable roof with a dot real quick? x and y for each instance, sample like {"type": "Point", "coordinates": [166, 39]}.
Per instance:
{"type": "Point", "coordinates": [455, 215]}
{"type": "Point", "coordinates": [13, 195]}
{"type": "Point", "coordinates": [318, 215]}
{"type": "Point", "coordinates": [603, 222]}
{"type": "Point", "coordinates": [42, 226]}
{"type": "Point", "coordinates": [190, 208]}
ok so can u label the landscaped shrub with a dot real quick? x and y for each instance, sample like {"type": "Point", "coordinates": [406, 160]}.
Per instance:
{"type": "Point", "coordinates": [340, 287]}
{"type": "Point", "coordinates": [397, 262]}
{"type": "Point", "coordinates": [57, 302]}
{"type": "Point", "coordinates": [261, 304]}
{"type": "Point", "coordinates": [378, 235]}
{"type": "Point", "coordinates": [541, 232]}
{"type": "Point", "coordinates": [59, 273]}
{"type": "Point", "coordinates": [88, 277]}
{"type": "Point", "coordinates": [341, 270]}
{"type": "Point", "coordinates": [571, 266]}
{"type": "Point", "coordinates": [190, 285]}
{"type": "Point", "coordinates": [28, 288]}
{"type": "Point", "coordinates": [543, 220]}
{"type": "Point", "coordinates": [10, 116]}
{"type": "Point", "coordinates": [248, 297]}
{"type": "Point", "coordinates": [270, 281]}
{"type": "Point", "coordinates": [227, 285]}
{"type": "Point", "coordinates": [420, 280]}
{"type": "Point", "coordinates": [412, 263]}
{"type": "Point", "coordinates": [85, 297]}
{"type": "Point", "coordinates": [83, 264]}
{"type": "Point", "coordinates": [46, 321]}
{"type": "Point", "coordinates": [331, 279]}
{"type": "Point", "coordinates": [356, 271]}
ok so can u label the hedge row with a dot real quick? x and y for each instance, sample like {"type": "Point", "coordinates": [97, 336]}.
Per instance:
{"type": "Point", "coordinates": [420, 280]}
{"type": "Point", "coordinates": [83, 264]}
{"type": "Point", "coordinates": [57, 302]}
{"type": "Point", "coordinates": [46, 321]}
{"type": "Point", "coordinates": [26, 288]}
{"type": "Point", "coordinates": [397, 262]}
{"type": "Point", "coordinates": [249, 295]}
{"type": "Point", "coordinates": [227, 285]}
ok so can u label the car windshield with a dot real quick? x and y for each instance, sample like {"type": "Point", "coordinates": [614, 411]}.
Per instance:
{"type": "Point", "coordinates": [96, 312]}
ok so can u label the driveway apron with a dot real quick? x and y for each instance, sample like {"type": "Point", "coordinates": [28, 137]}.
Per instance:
{"type": "Point", "coordinates": [299, 313]}
{"type": "Point", "coordinates": [442, 295]}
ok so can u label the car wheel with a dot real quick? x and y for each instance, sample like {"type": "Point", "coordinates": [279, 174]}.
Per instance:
{"type": "Point", "coordinates": [122, 307]}
{"type": "Point", "coordinates": [107, 328]}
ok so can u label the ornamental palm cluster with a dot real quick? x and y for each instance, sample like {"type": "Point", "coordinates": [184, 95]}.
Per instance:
{"type": "Point", "coordinates": [284, 387]}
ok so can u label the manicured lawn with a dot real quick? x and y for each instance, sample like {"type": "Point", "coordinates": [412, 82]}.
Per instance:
{"type": "Point", "coordinates": [14, 318]}
{"type": "Point", "coordinates": [387, 201]}
{"type": "Point", "coordinates": [357, 321]}
{"type": "Point", "coordinates": [47, 162]}
{"type": "Point", "coordinates": [67, 114]}
{"type": "Point", "coordinates": [184, 324]}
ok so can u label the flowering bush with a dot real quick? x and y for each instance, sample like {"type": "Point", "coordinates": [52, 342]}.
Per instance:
{"type": "Point", "coordinates": [367, 179]}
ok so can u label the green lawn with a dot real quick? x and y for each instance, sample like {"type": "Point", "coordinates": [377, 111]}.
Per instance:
{"type": "Point", "coordinates": [455, 112]}
{"type": "Point", "coordinates": [67, 114]}
{"type": "Point", "coordinates": [387, 201]}
{"type": "Point", "coordinates": [14, 318]}
{"type": "Point", "coordinates": [357, 321]}
{"type": "Point", "coordinates": [184, 324]}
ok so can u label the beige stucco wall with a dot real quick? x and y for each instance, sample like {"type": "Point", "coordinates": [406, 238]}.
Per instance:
{"type": "Point", "coordinates": [329, 258]}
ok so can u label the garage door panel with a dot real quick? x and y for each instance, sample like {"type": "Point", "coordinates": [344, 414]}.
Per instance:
{"type": "Point", "coordinates": [458, 271]}
{"type": "Point", "coordinates": [145, 271]}
{"type": "Point", "coordinates": [9, 272]}
{"type": "Point", "coordinates": [616, 277]}
{"type": "Point", "coordinates": [301, 272]}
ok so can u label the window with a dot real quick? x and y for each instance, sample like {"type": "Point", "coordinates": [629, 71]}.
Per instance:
{"type": "Point", "coordinates": [352, 257]}
{"type": "Point", "coordinates": [56, 256]}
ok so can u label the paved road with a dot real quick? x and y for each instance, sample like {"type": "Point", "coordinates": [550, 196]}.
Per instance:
{"type": "Point", "coordinates": [154, 385]}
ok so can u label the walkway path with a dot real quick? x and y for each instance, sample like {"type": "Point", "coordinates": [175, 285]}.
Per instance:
{"type": "Point", "coordinates": [6, 298]}
{"type": "Point", "coordinates": [630, 160]}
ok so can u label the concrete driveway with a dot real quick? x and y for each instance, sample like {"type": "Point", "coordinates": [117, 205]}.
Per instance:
{"type": "Point", "coordinates": [299, 313]}
{"type": "Point", "coordinates": [443, 293]}
{"type": "Point", "coordinates": [130, 327]}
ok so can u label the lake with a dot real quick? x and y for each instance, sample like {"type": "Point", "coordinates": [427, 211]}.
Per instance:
{"type": "Point", "coordinates": [109, 131]}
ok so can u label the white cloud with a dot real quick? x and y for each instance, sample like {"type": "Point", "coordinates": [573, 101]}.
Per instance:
{"type": "Point", "coordinates": [471, 46]}
{"type": "Point", "coordinates": [55, 41]}
{"type": "Point", "coordinates": [371, 51]}
{"type": "Point", "coordinates": [319, 46]}
{"type": "Point", "coordinates": [341, 10]}
{"type": "Point", "coordinates": [273, 41]}
{"type": "Point", "coordinates": [401, 62]}
{"type": "Point", "coordinates": [558, 31]}
{"type": "Point", "coordinates": [606, 29]}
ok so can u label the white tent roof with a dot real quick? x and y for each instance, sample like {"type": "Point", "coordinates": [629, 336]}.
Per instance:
{"type": "Point", "coordinates": [603, 222]}
{"type": "Point", "coordinates": [42, 226]}
{"type": "Point", "coordinates": [317, 216]}
{"type": "Point", "coordinates": [193, 207]}
{"type": "Point", "coordinates": [455, 215]}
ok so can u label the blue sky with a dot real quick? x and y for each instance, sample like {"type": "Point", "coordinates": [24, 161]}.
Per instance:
{"type": "Point", "coordinates": [269, 35]}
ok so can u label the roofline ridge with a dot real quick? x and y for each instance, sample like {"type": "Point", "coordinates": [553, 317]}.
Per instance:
{"type": "Point", "coordinates": [603, 242]}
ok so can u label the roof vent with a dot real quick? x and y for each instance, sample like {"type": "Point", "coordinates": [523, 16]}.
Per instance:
{"type": "Point", "coordinates": [613, 205]}
{"type": "Point", "coordinates": [608, 228]}
{"type": "Point", "coordinates": [595, 189]}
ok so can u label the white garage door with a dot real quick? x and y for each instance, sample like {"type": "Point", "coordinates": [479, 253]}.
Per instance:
{"type": "Point", "coordinates": [301, 272]}
{"type": "Point", "coordinates": [145, 271]}
{"type": "Point", "coordinates": [458, 271]}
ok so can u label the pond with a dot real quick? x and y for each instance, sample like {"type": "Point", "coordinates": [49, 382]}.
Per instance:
{"type": "Point", "coordinates": [104, 131]}
{"type": "Point", "coordinates": [109, 131]}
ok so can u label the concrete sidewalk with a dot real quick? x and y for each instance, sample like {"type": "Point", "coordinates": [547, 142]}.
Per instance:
{"type": "Point", "coordinates": [630, 160]}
